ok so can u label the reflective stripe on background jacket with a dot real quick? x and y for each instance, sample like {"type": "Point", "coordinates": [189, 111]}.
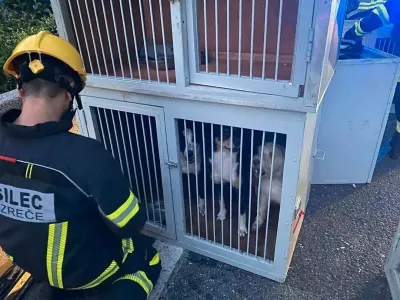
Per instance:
{"type": "Point", "coordinates": [66, 211]}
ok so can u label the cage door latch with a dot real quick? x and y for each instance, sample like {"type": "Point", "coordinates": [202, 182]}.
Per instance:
{"type": "Point", "coordinates": [172, 164]}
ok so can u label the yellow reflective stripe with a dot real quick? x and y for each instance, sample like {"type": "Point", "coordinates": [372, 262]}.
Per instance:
{"type": "Point", "coordinates": [125, 212]}
{"type": "Point", "coordinates": [370, 5]}
{"type": "Point", "coordinates": [110, 271]}
{"type": "Point", "coordinates": [155, 260]}
{"type": "Point", "coordinates": [11, 258]}
{"type": "Point", "coordinates": [28, 172]}
{"type": "Point", "coordinates": [383, 14]}
{"type": "Point", "coordinates": [398, 127]}
{"type": "Point", "coordinates": [57, 239]}
{"type": "Point", "coordinates": [141, 278]}
{"type": "Point", "coordinates": [127, 248]}
{"type": "Point", "coordinates": [358, 30]}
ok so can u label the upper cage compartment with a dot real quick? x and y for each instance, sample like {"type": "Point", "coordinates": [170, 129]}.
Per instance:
{"type": "Point", "coordinates": [257, 45]}
{"type": "Point", "coordinates": [125, 39]}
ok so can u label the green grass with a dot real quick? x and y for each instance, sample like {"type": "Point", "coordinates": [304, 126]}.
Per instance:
{"type": "Point", "coordinates": [19, 19]}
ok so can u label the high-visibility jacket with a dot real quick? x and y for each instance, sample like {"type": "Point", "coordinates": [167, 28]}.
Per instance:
{"type": "Point", "coordinates": [373, 15]}
{"type": "Point", "coordinates": [67, 214]}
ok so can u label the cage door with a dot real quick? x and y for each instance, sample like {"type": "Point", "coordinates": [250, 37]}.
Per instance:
{"type": "Point", "coordinates": [256, 45]}
{"type": "Point", "coordinates": [135, 135]}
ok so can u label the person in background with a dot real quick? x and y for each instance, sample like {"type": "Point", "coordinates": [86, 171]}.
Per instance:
{"type": "Point", "coordinates": [370, 16]}
{"type": "Point", "coordinates": [67, 213]}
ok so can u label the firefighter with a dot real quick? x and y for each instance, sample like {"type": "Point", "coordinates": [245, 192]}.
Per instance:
{"type": "Point", "coordinates": [67, 214]}
{"type": "Point", "coordinates": [372, 15]}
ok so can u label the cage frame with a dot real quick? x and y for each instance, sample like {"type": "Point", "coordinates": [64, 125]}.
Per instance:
{"type": "Point", "coordinates": [311, 57]}
{"type": "Point", "coordinates": [173, 109]}
{"type": "Point", "coordinates": [304, 106]}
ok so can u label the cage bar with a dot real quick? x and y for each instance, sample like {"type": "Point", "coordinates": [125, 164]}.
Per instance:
{"type": "Point", "coordinates": [91, 31]}
{"type": "Point", "coordinates": [240, 37]}
{"type": "Point", "coordinates": [116, 139]}
{"type": "Point", "coordinates": [227, 36]}
{"type": "Point", "coordinates": [154, 40]}
{"type": "Point", "coordinates": [188, 180]}
{"type": "Point", "coordinates": [148, 166]}
{"type": "Point", "coordinates": [212, 178]}
{"type": "Point", "coordinates": [144, 39]}
{"type": "Point", "coordinates": [265, 39]}
{"type": "Point", "coordinates": [259, 190]}
{"type": "Point", "coordinates": [250, 186]}
{"type": "Point", "coordinates": [205, 180]}
{"type": "Point", "coordinates": [109, 133]}
{"type": "Point", "coordinates": [75, 29]}
{"type": "Point", "coordinates": [133, 158]}
{"type": "Point", "coordinates": [101, 128]}
{"type": "Point", "coordinates": [252, 37]}
{"type": "Point", "coordinates": [222, 207]}
{"type": "Point", "coordinates": [117, 39]}
{"type": "Point", "coordinates": [109, 39]}
{"type": "Point", "coordinates": [141, 166]}
{"type": "Point", "coordinates": [197, 179]}
{"type": "Point", "coordinates": [278, 44]}
{"type": "Point", "coordinates": [100, 36]}
{"type": "Point", "coordinates": [163, 38]}
{"type": "Point", "coordinates": [126, 38]}
{"type": "Point", "coordinates": [216, 37]}
{"type": "Point", "coordinates": [230, 191]}
{"type": "Point", "coordinates": [269, 196]}
{"type": "Point", "coordinates": [240, 185]}
{"type": "Point", "coordinates": [155, 169]}
{"type": "Point", "coordinates": [84, 35]}
{"type": "Point", "coordinates": [126, 153]}
{"type": "Point", "coordinates": [205, 33]}
{"type": "Point", "coordinates": [135, 40]}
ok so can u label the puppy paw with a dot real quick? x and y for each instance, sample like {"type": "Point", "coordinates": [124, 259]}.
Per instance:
{"type": "Point", "coordinates": [221, 215]}
{"type": "Point", "coordinates": [242, 231]}
{"type": "Point", "coordinates": [254, 226]}
{"type": "Point", "coordinates": [201, 207]}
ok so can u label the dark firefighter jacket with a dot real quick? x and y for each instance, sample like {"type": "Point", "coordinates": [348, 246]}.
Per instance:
{"type": "Point", "coordinates": [67, 214]}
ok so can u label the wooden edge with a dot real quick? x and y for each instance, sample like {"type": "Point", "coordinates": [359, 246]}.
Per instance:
{"type": "Point", "coordinates": [18, 286]}
{"type": "Point", "coordinates": [5, 267]}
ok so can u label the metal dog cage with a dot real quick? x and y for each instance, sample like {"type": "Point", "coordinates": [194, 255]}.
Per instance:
{"type": "Point", "coordinates": [211, 108]}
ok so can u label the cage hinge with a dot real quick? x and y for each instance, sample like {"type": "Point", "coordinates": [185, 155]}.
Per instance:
{"type": "Point", "coordinates": [310, 44]}
{"type": "Point", "coordinates": [172, 164]}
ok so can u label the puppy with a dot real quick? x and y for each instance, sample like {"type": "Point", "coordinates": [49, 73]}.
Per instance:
{"type": "Point", "coordinates": [268, 185]}
{"type": "Point", "coordinates": [191, 162]}
{"type": "Point", "coordinates": [226, 165]}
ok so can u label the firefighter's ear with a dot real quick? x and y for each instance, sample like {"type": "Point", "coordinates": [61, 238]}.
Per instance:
{"type": "Point", "coordinates": [68, 96]}
{"type": "Point", "coordinates": [20, 93]}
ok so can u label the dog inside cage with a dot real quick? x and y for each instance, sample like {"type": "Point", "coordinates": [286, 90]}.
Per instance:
{"type": "Point", "coordinates": [132, 140]}
{"type": "Point", "coordinates": [232, 184]}
{"type": "Point", "coordinates": [131, 39]}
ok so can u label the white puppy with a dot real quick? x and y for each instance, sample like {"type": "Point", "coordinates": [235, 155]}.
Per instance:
{"type": "Point", "coordinates": [267, 188]}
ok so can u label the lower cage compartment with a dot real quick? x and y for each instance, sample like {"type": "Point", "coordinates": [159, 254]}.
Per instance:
{"type": "Point", "coordinates": [227, 202]}
{"type": "Point", "coordinates": [220, 185]}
